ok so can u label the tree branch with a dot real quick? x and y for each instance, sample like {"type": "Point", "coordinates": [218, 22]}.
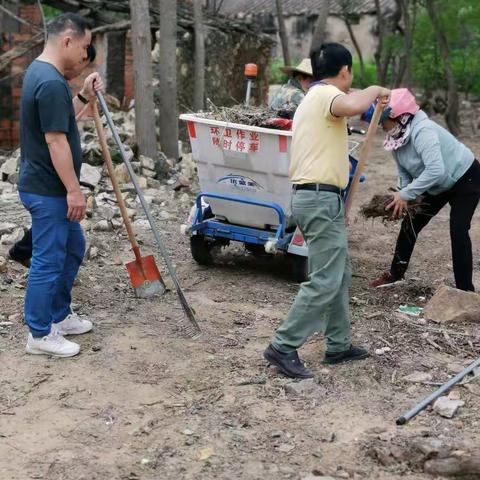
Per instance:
{"type": "Point", "coordinates": [18, 19]}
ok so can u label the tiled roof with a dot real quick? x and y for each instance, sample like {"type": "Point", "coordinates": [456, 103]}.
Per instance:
{"type": "Point", "coordinates": [298, 7]}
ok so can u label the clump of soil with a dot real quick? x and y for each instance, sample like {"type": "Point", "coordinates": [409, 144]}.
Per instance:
{"type": "Point", "coordinates": [375, 208]}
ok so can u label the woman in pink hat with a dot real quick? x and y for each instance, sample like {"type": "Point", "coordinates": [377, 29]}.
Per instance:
{"type": "Point", "coordinates": [432, 164]}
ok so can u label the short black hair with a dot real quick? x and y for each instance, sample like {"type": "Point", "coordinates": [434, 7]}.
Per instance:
{"type": "Point", "coordinates": [328, 59]}
{"type": "Point", "coordinates": [91, 53]}
{"type": "Point", "coordinates": [68, 21]}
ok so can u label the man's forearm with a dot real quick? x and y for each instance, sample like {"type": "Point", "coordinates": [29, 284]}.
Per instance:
{"type": "Point", "coordinates": [61, 156]}
{"type": "Point", "coordinates": [364, 98]}
{"type": "Point", "coordinates": [355, 103]}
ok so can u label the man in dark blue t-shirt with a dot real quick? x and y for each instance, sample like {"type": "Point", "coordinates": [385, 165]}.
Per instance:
{"type": "Point", "coordinates": [49, 188]}
{"type": "Point", "coordinates": [21, 251]}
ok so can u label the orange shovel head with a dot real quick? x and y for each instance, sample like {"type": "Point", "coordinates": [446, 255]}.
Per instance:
{"type": "Point", "coordinates": [143, 272]}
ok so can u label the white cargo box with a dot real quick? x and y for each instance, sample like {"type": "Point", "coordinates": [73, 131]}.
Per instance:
{"type": "Point", "coordinates": [242, 161]}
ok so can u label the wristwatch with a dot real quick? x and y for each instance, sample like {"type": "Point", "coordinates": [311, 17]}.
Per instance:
{"type": "Point", "coordinates": [82, 98]}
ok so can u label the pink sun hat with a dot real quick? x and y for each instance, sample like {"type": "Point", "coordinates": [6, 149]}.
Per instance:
{"type": "Point", "coordinates": [402, 101]}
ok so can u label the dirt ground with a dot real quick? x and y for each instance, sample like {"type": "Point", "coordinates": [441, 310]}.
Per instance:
{"type": "Point", "coordinates": [144, 401]}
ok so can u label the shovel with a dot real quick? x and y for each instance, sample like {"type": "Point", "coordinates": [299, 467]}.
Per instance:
{"type": "Point", "coordinates": [196, 332]}
{"type": "Point", "coordinates": [144, 274]}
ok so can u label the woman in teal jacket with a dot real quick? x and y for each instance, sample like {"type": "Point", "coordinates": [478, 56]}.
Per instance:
{"type": "Point", "coordinates": [434, 165]}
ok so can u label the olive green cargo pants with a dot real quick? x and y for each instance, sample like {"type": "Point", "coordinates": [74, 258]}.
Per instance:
{"type": "Point", "coordinates": [322, 304]}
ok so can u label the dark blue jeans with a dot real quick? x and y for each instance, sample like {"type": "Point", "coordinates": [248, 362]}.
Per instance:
{"type": "Point", "coordinates": [58, 250]}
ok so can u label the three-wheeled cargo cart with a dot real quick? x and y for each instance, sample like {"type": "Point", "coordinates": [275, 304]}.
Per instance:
{"type": "Point", "coordinates": [245, 191]}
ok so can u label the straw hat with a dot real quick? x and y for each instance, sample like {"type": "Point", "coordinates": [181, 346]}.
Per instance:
{"type": "Point", "coordinates": [304, 67]}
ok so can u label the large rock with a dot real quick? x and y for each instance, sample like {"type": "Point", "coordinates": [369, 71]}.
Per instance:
{"type": "Point", "coordinates": [122, 175]}
{"type": "Point", "coordinates": [304, 387]}
{"type": "Point", "coordinates": [9, 167]}
{"type": "Point", "coordinates": [453, 305]}
{"type": "Point", "coordinates": [91, 175]}
{"type": "Point", "coordinates": [3, 265]}
{"type": "Point", "coordinates": [14, 237]}
{"type": "Point", "coordinates": [147, 162]}
{"type": "Point", "coordinates": [447, 407]}
{"type": "Point", "coordinates": [141, 224]}
{"type": "Point", "coordinates": [107, 212]}
{"type": "Point", "coordinates": [148, 173]}
{"type": "Point", "coordinates": [6, 187]}
{"type": "Point", "coordinates": [6, 228]}
{"type": "Point", "coordinates": [103, 226]}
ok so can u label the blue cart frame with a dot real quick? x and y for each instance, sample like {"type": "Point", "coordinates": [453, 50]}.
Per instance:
{"type": "Point", "coordinates": [203, 224]}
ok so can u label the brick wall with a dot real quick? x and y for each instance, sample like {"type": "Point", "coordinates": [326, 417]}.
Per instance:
{"type": "Point", "coordinates": [11, 78]}
{"type": "Point", "coordinates": [227, 51]}
{"type": "Point", "coordinates": [10, 88]}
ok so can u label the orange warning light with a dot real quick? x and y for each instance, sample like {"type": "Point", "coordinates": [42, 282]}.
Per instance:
{"type": "Point", "coordinates": [251, 70]}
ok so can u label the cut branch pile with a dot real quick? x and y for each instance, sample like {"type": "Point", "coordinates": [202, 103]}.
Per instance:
{"type": "Point", "coordinates": [246, 115]}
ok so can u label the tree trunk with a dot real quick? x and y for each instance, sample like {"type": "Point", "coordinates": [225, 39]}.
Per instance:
{"type": "Point", "coordinates": [116, 64]}
{"type": "Point", "coordinates": [357, 49]}
{"type": "Point", "coordinates": [382, 57]}
{"type": "Point", "coordinates": [168, 78]}
{"type": "Point", "coordinates": [399, 78]}
{"type": "Point", "coordinates": [451, 114]}
{"type": "Point", "coordinates": [199, 75]}
{"type": "Point", "coordinates": [404, 7]}
{"type": "Point", "coordinates": [320, 33]}
{"type": "Point", "coordinates": [142, 65]}
{"type": "Point", "coordinates": [283, 33]}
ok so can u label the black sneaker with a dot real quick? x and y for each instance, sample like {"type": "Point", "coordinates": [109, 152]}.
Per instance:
{"type": "Point", "coordinates": [288, 363]}
{"type": "Point", "coordinates": [353, 353]}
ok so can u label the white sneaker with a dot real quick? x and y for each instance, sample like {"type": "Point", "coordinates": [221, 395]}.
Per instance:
{"type": "Point", "coordinates": [72, 325]}
{"type": "Point", "coordinates": [52, 344]}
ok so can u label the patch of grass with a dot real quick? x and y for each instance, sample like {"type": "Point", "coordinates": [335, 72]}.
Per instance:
{"type": "Point", "coordinates": [370, 73]}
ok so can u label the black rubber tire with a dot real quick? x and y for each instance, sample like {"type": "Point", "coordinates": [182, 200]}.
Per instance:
{"type": "Point", "coordinates": [201, 250]}
{"type": "Point", "coordinates": [299, 268]}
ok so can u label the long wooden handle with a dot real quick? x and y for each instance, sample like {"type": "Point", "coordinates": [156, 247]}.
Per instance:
{"type": "Point", "coordinates": [362, 157]}
{"type": "Point", "coordinates": [113, 178]}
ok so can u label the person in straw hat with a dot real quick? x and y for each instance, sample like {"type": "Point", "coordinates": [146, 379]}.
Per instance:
{"type": "Point", "coordinates": [292, 93]}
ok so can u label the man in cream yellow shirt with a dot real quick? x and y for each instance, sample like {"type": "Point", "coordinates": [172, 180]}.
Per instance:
{"type": "Point", "coordinates": [319, 171]}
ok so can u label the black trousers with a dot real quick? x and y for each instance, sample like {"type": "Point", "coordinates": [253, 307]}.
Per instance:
{"type": "Point", "coordinates": [463, 198]}
{"type": "Point", "coordinates": [22, 250]}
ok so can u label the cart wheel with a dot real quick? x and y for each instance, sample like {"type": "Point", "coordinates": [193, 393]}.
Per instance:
{"type": "Point", "coordinates": [255, 249]}
{"type": "Point", "coordinates": [299, 268]}
{"type": "Point", "coordinates": [201, 250]}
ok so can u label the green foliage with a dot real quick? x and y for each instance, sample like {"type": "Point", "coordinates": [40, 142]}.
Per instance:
{"type": "Point", "coordinates": [460, 21]}
{"type": "Point", "coordinates": [370, 73]}
{"type": "Point", "coordinates": [277, 77]}
{"type": "Point", "coordinates": [50, 12]}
